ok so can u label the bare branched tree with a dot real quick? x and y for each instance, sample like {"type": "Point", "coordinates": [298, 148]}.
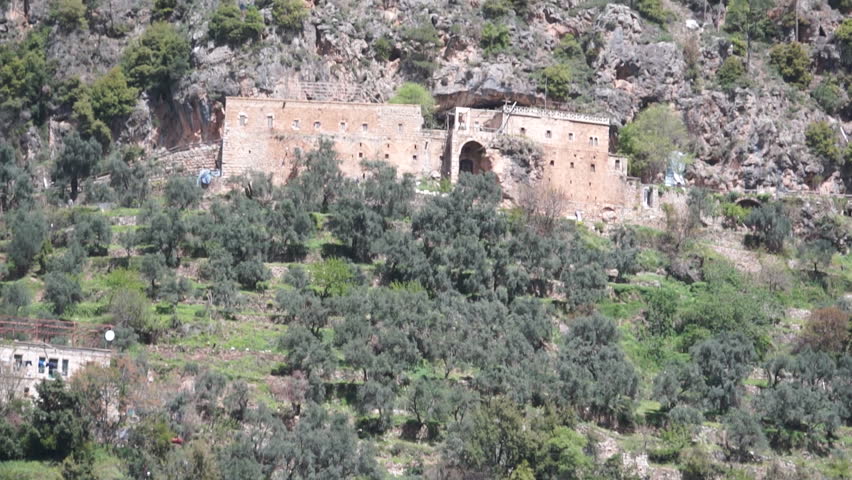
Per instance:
{"type": "Point", "coordinates": [11, 383]}
{"type": "Point", "coordinates": [543, 206]}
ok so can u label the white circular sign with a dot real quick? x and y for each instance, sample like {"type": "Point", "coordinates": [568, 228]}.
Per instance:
{"type": "Point", "coordinates": [109, 335]}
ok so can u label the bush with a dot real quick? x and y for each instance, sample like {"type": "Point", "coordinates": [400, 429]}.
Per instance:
{"type": "Point", "coordinates": [130, 309]}
{"type": "Point", "coordinates": [289, 14]}
{"type": "Point", "coordinates": [495, 38]}
{"type": "Point", "coordinates": [230, 25]}
{"type": "Point", "coordinates": [415, 94]}
{"type": "Point", "coordinates": [158, 58]}
{"type": "Point", "coordinates": [821, 140]}
{"type": "Point", "coordinates": [843, 36]}
{"type": "Point", "coordinates": [734, 214]}
{"type": "Point", "coordinates": [731, 74]}
{"type": "Point", "coordinates": [830, 96]}
{"type": "Point", "coordinates": [69, 14]}
{"type": "Point", "coordinates": [653, 10]}
{"type": "Point", "coordinates": [383, 48]}
{"type": "Point", "coordinates": [496, 8]}
{"type": "Point", "coordinates": [62, 291]}
{"type": "Point", "coordinates": [569, 48]}
{"type": "Point", "coordinates": [792, 62]}
{"type": "Point", "coordinates": [557, 78]}
{"type": "Point", "coordinates": [163, 9]}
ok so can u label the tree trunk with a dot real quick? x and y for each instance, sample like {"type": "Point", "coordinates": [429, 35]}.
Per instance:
{"type": "Point", "coordinates": [74, 187]}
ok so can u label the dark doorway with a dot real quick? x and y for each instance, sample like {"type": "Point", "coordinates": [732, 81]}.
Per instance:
{"type": "Point", "coordinates": [472, 158]}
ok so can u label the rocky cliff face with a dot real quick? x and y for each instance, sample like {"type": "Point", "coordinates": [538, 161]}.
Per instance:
{"type": "Point", "coordinates": [748, 138]}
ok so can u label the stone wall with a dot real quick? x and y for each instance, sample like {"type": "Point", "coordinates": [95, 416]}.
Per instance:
{"type": "Point", "coordinates": [188, 161]}
{"type": "Point", "coordinates": [20, 363]}
{"type": "Point", "coordinates": [266, 134]}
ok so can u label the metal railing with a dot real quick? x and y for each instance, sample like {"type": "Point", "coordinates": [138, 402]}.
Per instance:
{"type": "Point", "coordinates": [49, 331]}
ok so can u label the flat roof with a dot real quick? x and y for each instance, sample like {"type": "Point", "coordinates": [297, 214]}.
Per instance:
{"type": "Point", "coordinates": [314, 102]}
{"type": "Point", "coordinates": [42, 345]}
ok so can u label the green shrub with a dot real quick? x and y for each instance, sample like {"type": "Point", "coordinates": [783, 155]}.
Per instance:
{"type": "Point", "coordinates": [383, 48]}
{"type": "Point", "coordinates": [843, 37]}
{"type": "Point", "coordinates": [557, 79]}
{"type": "Point", "coordinates": [163, 9]}
{"type": "Point", "coordinates": [158, 58]}
{"type": "Point", "coordinates": [414, 94]}
{"type": "Point", "coordinates": [496, 8]}
{"type": "Point", "coordinates": [653, 10]}
{"type": "Point", "coordinates": [792, 62]}
{"type": "Point", "coordinates": [830, 96]}
{"type": "Point", "coordinates": [844, 6]}
{"type": "Point", "coordinates": [821, 140]}
{"type": "Point", "coordinates": [734, 214]}
{"type": "Point", "coordinates": [495, 38]}
{"type": "Point", "coordinates": [568, 48]}
{"type": "Point", "coordinates": [68, 14]}
{"type": "Point", "coordinates": [289, 14]}
{"type": "Point", "coordinates": [230, 25]}
{"type": "Point", "coordinates": [731, 74]}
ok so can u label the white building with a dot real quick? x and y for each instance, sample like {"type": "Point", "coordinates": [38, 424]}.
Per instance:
{"type": "Point", "coordinates": [24, 364]}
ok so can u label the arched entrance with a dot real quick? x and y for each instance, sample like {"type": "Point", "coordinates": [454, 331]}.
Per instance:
{"type": "Point", "coordinates": [472, 158]}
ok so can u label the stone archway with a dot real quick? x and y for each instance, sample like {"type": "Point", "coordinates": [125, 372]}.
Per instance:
{"type": "Point", "coordinates": [472, 158]}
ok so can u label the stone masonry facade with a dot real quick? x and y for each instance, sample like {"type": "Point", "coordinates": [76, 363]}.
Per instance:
{"type": "Point", "coordinates": [267, 134]}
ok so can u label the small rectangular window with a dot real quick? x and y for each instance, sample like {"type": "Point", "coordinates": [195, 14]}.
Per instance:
{"type": "Point", "coordinates": [342, 126]}
{"type": "Point", "coordinates": [387, 156]}
{"type": "Point", "coordinates": [360, 154]}
{"type": "Point", "coordinates": [593, 167]}
{"type": "Point", "coordinates": [548, 134]}
{"type": "Point", "coordinates": [551, 163]}
{"type": "Point", "coordinates": [317, 125]}
{"type": "Point", "coordinates": [243, 120]}
{"type": "Point", "coordinates": [399, 128]}
{"type": "Point", "coordinates": [523, 131]}
{"type": "Point", "coordinates": [617, 164]}
{"type": "Point", "coordinates": [295, 124]}
{"type": "Point", "coordinates": [364, 127]}
{"type": "Point", "coordinates": [41, 364]}
{"type": "Point", "coordinates": [52, 366]}
{"type": "Point", "coordinates": [572, 164]}
{"type": "Point", "coordinates": [414, 157]}
{"type": "Point", "coordinates": [19, 361]}
{"type": "Point", "coordinates": [269, 121]}
{"type": "Point", "coordinates": [591, 140]}
{"type": "Point", "coordinates": [570, 137]}
{"type": "Point", "coordinates": [64, 367]}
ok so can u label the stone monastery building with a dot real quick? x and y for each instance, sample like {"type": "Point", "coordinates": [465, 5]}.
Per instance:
{"type": "Point", "coordinates": [265, 134]}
